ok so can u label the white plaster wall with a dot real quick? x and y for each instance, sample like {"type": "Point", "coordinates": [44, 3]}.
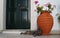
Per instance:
{"type": "Point", "coordinates": [34, 15]}
{"type": "Point", "coordinates": [1, 14]}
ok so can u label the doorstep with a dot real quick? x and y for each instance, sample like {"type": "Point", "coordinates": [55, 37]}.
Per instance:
{"type": "Point", "coordinates": [54, 32]}
{"type": "Point", "coordinates": [15, 31]}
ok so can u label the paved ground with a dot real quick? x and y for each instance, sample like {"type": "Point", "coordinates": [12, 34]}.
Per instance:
{"type": "Point", "coordinates": [6, 35]}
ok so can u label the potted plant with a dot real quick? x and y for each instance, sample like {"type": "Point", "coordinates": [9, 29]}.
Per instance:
{"type": "Point", "coordinates": [45, 19]}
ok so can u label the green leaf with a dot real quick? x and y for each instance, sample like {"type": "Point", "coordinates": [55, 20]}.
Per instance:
{"type": "Point", "coordinates": [39, 9]}
{"type": "Point", "coordinates": [49, 6]}
{"type": "Point", "coordinates": [59, 18]}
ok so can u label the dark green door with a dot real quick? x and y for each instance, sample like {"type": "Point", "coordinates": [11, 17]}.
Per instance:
{"type": "Point", "coordinates": [17, 14]}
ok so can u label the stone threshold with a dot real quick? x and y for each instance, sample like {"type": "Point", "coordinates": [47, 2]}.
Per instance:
{"type": "Point", "coordinates": [54, 32]}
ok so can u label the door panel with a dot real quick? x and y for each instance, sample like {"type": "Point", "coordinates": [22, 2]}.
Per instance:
{"type": "Point", "coordinates": [17, 15]}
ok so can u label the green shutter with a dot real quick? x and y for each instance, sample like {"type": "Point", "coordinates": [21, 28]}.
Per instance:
{"type": "Point", "coordinates": [17, 15]}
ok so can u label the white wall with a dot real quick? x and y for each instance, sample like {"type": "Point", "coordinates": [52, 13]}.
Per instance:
{"type": "Point", "coordinates": [1, 14]}
{"type": "Point", "coordinates": [34, 15]}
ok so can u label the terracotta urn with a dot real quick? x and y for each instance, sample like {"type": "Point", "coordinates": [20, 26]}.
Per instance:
{"type": "Point", "coordinates": [45, 22]}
